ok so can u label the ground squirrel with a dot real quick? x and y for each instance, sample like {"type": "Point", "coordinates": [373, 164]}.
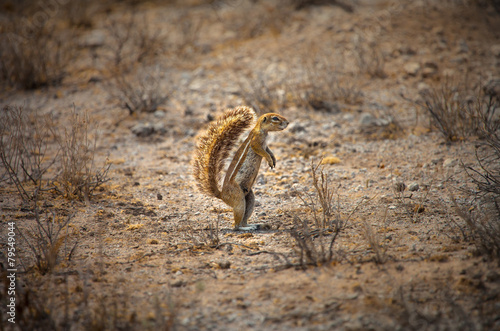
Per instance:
{"type": "Point", "coordinates": [214, 148]}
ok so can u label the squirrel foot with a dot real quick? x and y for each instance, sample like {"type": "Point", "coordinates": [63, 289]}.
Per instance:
{"type": "Point", "coordinates": [253, 227]}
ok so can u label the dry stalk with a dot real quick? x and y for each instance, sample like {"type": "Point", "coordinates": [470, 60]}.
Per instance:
{"type": "Point", "coordinates": [79, 176]}
{"type": "Point", "coordinates": [23, 148]}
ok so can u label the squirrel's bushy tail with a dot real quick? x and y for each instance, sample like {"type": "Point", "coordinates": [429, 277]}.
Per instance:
{"type": "Point", "coordinates": [215, 145]}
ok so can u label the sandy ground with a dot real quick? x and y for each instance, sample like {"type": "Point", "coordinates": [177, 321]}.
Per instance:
{"type": "Point", "coordinates": [146, 257]}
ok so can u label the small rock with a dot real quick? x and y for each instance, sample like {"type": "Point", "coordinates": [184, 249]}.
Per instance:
{"type": "Point", "coordinates": [492, 276]}
{"type": "Point", "coordinates": [430, 69]}
{"type": "Point", "coordinates": [159, 114]}
{"type": "Point", "coordinates": [448, 163]}
{"type": "Point", "coordinates": [143, 129]}
{"type": "Point", "coordinates": [413, 187]}
{"type": "Point", "coordinates": [462, 46]}
{"type": "Point", "coordinates": [296, 127]}
{"type": "Point", "coordinates": [367, 119]}
{"type": "Point", "coordinates": [178, 283]}
{"type": "Point", "coordinates": [159, 127]}
{"type": "Point", "coordinates": [348, 117]}
{"type": "Point", "coordinates": [438, 30]}
{"type": "Point", "coordinates": [495, 49]}
{"type": "Point", "coordinates": [449, 73]}
{"type": "Point", "coordinates": [94, 39]}
{"type": "Point", "coordinates": [329, 126]}
{"type": "Point", "coordinates": [412, 68]}
{"type": "Point", "coordinates": [423, 88]}
{"type": "Point", "coordinates": [224, 264]}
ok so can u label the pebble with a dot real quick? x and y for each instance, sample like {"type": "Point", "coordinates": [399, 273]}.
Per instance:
{"type": "Point", "coordinates": [413, 187]}
{"type": "Point", "coordinates": [430, 69]}
{"type": "Point", "coordinates": [492, 276]}
{"type": "Point", "coordinates": [412, 68]}
{"type": "Point", "coordinates": [224, 264]}
{"type": "Point", "coordinates": [296, 127]}
{"type": "Point", "coordinates": [159, 114]}
{"type": "Point", "coordinates": [96, 38]}
{"type": "Point", "coordinates": [178, 283]}
{"type": "Point", "coordinates": [367, 119]}
{"type": "Point", "coordinates": [159, 127]}
{"type": "Point", "coordinates": [448, 163]}
{"type": "Point", "coordinates": [495, 49]}
{"type": "Point", "coordinates": [143, 129]}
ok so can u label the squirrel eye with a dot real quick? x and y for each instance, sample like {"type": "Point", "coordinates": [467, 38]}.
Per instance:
{"type": "Point", "coordinates": [275, 118]}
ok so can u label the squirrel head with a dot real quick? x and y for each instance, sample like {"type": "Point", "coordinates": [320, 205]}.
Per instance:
{"type": "Point", "coordinates": [272, 122]}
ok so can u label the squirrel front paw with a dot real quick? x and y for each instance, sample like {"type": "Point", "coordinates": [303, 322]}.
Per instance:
{"type": "Point", "coordinates": [272, 161]}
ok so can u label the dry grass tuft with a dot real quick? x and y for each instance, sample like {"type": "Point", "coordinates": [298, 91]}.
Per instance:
{"type": "Point", "coordinates": [23, 148]}
{"type": "Point", "coordinates": [46, 238]}
{"type": "Point", "coordinates": [458, 112]}
{"type": "Point", "coordinates": [315, 239]}
{"type": "Point", "coordinates": [24, 154]}
{"type": "Point", "coordinates": [372, 238]}
{"type": "Point", "coordinates": [32, 57]}
{"type": "Point", "coordinates": [80, 176]}
{"type": "Point", "coordinates": [133, 41]}
{"type": "Point", "coordinates": [139, 92]}
{"type": "Point", "coordinates": [324, 84]}
{"type": "Point", "coordinates": [482, 215]}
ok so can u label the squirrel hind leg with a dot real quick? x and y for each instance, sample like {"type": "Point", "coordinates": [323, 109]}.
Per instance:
{"type": "Point", "coordinates": [249, 204]}
{"type": "Point", "coordinates": [234, 196]}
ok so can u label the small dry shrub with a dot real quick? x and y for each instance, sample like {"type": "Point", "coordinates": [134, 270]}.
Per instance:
{"type": "Point", "coordinates": [186, 43]}
{"type": "Point", "coordinates": [32, 311]}
{"type": "Point", "coordinates": [486, 174]}
{"type": "Point", "coordinates": [458, 112]}
{"type": "Point", "coordinates": [73, 301]}
{"type": "Point", "coordinates": [410, 206]}
{"type": "Point", "coordinates": [263, 95]}
{"type": "Point", "coordinates": [23, 146]}
{"type": "Point", "coordinates": [32, 56]}
{"type": "Point", "coordinates": [482, 215]}
{"type": "Point", "coordinates": [369, 58]}
{"type": "Point", "coordinates": [46, 238]}
{"type": "Point", "coordinates": [314, 239]}
{"type": "Point", "coordinates": [377, 246]}
{"type": "Point", "coordinates": [251, 19]}
{"type": "Point", "coordinates": [140, 92]}
{"type": "Point", "coordinates": [134, 41]}
{"type": "Point", "coordinates": [482, 224]}
{"type": "Point", "coordinates": [80, 176]}
{"type": "Point", "coordinates": [131, 40]}
{"type": "Point", "coordinates": [208, 237]}
{"type": "Point", "coordinates": [323, 82]}
{"type": "Point", "coordinates": [24, 154]}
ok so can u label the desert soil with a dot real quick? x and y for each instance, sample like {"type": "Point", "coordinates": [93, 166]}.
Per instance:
{"type": "Point", "coordinates": [145, 253]}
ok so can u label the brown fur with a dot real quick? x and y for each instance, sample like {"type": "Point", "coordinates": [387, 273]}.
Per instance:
{"type": "Point", "coordinates": [214, 147]}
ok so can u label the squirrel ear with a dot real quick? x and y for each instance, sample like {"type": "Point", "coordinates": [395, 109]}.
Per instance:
{"type": "Point", "coordinates": [264, 120]}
